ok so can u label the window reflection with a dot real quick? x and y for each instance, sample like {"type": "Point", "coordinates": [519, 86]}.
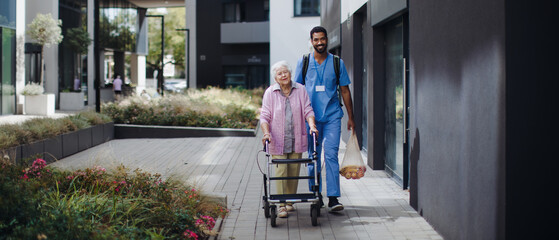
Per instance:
{"type": "Point", "coordinates": [118, 25]}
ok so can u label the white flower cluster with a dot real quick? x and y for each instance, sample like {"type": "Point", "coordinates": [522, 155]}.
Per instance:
{"type": "Point", "coordinates": [32, 89]}
{"type": "Point", "coordinates": [45, 30]}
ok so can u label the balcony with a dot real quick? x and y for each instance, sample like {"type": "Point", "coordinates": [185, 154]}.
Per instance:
{"type": "Point", "coordinates": [245, 32]}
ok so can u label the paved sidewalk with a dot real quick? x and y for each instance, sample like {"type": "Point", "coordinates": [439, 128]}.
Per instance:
{"type": "Point", "coordinates": [375, 207]}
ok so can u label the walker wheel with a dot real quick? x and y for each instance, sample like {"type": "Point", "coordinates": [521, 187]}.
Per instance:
{"type": "Point", "coordinates": [314, 214]}
{"type": "Point", "coordinates": [273, 215]}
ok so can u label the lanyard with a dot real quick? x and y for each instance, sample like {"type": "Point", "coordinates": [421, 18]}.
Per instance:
{"type": "Point", "coordinates": [320, 77]}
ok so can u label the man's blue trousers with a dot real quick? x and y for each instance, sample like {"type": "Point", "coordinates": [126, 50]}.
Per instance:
{"type": "Point", "coordinates": [329, 141]}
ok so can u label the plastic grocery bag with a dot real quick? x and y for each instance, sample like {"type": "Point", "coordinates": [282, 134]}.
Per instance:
{"type": "Point", "coordinates": [352, 166]}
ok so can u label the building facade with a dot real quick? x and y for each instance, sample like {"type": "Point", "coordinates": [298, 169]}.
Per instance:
{"type": "Point", "coordinates": [232, 43]}
{"type": "Point", "coordinates": [290, 23]}
{"type": "Point", "coordinates": [448, 99]}
{"type": "Point", "coordinates": [122, 46]}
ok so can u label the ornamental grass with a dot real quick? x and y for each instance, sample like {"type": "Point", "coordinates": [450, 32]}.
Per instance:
{"type": "Point", "coordinates": [209, 107]}
{"type": "Point", "coordinates": [42, 202]}
{"type": "Point", "coordinates": [37, 129]}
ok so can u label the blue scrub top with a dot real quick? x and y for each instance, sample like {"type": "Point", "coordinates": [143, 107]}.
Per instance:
{"type": "Point", "coordinates": [325, 104]}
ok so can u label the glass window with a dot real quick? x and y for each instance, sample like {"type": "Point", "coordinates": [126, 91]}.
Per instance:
{"type": "Point", "coordinates": [117, 25]}
{"type": "Point", "coordinates": [8, 51]}
{"type": "Point", "coordinates": [8, 13]}
{"type": "Point", "coordinates": [8, 55]}
{"type": "Point", "coordinates": [394, 127]}
{"type": "Point", "coordinates": [233, 12]}
{"type": "Point", "coordinates": [306, 8]}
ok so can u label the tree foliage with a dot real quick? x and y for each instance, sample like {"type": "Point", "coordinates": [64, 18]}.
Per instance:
{"type": "Point", "coordinates": [45, 30]}
{"type": "Point", "coordinates": [174, 40]}
{"type": "Point", "coordinates": [78, 39]}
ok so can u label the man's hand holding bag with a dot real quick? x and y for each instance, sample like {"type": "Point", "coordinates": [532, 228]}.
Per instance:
{"type": "Point", "coordinates": [352, 166]}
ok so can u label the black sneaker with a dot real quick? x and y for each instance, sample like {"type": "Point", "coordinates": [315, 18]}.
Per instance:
{"type": "Point", "coordinates": [334, 205]}
{"type": "Point", "coordinates": [321, 202]}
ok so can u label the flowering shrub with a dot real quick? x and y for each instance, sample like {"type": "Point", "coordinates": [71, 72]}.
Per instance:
{"type": "Point", "coordinates": [32, 89]}
{"type": "Point", "coordinates": [96, 203]}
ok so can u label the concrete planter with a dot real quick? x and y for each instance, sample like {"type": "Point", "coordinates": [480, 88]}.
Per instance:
{"type": "Point", "coordinates": [97, 134]}
{"type": "Point", "coordinates": [42, 104]}
{"type": "Point", "coordinates": [53, 149]}
{"type": "Point", "coordinates": [147, 131]}
{"type": "Point", "coordinates": [84, 139]}
{"type": "Point", "coordinates": [71, 101]}
{"type": "Point", "coordinates": [108, 131]}
{"type": "Point", "coordinates": [70, 143]}
{"type": "Point", "coordinates": [33, 150]}
{"type": "Point", "coordinates": [107, 95]}
{"type": "Point", "coordinates": [61, 146]}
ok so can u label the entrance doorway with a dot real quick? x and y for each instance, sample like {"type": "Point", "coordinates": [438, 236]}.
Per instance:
{"type": "Point", "coordinates": [396, 106]}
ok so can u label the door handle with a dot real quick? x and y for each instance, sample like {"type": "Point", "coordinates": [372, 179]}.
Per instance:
{"type": "Point", "coordinates": [404, 93]}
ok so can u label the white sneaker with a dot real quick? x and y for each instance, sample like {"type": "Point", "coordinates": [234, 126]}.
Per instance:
{"type": "Point", "coordinates": [282, 212]}
{"type": "Point", "coordinates": [290, 208]}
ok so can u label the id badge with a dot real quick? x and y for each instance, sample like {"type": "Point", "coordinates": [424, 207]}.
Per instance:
{"type": "Point", "coordinates": [321, 88]}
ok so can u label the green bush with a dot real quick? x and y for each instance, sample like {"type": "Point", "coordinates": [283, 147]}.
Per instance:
{"type": "Point", "coordinates": [43, 202]}
{"type": "Point", "coordinates": [210, 107]}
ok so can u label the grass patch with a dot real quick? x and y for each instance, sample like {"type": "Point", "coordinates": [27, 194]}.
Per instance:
{"type": "Point", "coordinates": [41, 202]}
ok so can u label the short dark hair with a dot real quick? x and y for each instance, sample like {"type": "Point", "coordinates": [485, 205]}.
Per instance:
{"type": "Point", "coordinates": [319, 29]}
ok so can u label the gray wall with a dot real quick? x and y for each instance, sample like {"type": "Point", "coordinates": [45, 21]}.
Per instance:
{"type": "Point", "coordinates": [457, 101]}
{"type": "Point", "coordinates": [482, 89]}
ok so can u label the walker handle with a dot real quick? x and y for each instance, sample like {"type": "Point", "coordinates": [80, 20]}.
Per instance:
{"type": "Point", "coordinates": [266, 146]}
{"type": "Point", "coordinates": [314, 141]}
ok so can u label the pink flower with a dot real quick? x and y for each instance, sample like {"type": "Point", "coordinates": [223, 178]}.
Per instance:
{"type": "Point", "coordinates": [190, 235]}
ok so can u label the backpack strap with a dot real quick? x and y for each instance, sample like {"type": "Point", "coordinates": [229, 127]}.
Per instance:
{"type": "Point", "coordinates": [337, 71]}
{"type": "Point", "coordinates": [305, 66]}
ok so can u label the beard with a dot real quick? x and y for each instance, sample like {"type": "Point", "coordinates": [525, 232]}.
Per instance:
{"type": "Point", "coordinates": [323, 49]}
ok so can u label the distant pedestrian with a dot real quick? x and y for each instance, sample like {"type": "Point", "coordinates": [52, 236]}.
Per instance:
{"type": "Point", "coordinates": [77, 84]}
{"type": "Point", "coordinates": [117, 87]}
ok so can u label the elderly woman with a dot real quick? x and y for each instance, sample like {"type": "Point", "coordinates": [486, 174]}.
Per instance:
{"type": "Point", "coordinates": [285, 107]}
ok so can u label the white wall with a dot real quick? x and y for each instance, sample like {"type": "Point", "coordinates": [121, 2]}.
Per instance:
{"type": "Point", "coordinates": [289, 36]}
{"type": "Point", "coordinates": [51, 53]}
{"type": "Point", "coordinates": [349, 7]}
{"type": "Point", "coordinates": [190, 7]}
{"type": "Point", "coordinates": [20, 53]}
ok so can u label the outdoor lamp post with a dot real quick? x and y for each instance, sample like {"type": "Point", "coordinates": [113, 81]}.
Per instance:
{"type": "Point", "coordinates": [160, 75]}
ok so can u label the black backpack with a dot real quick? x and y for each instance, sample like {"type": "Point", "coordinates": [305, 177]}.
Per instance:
{"type": "Point", "coordinates": [336, 70]}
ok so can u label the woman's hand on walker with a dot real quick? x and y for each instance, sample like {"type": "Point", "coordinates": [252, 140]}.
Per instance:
{"type": "Point", "coordinates": [313, 130]}
{"type": "Point", "coordinates": [266, 137]}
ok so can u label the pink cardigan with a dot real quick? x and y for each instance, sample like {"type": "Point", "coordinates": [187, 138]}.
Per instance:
{"type": "Point", "coordinates": [273, 113]}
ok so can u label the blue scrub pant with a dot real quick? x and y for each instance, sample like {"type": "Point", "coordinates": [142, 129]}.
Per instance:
{"type": "Point", "coordinates": [329, 140]}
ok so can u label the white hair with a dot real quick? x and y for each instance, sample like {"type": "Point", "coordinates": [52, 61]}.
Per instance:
{"type": "Point", "coordinates": [278, 65]}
